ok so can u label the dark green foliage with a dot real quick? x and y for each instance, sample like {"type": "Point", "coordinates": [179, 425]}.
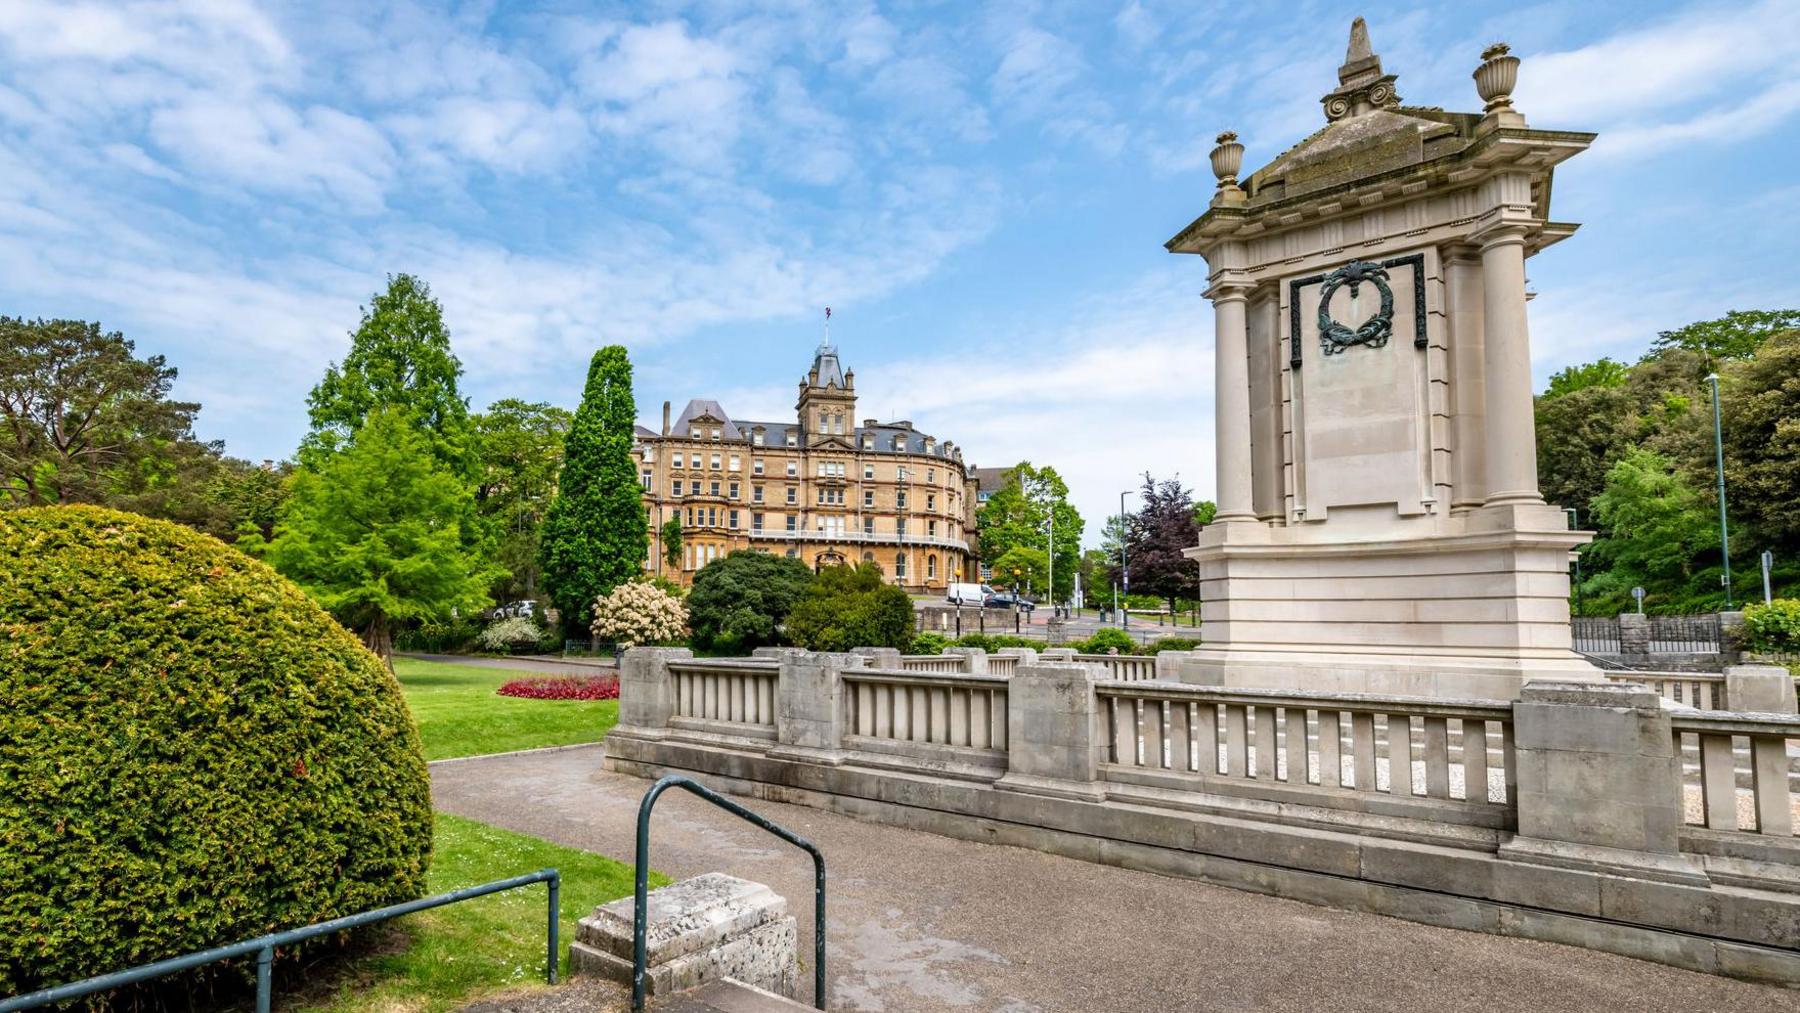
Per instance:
{"type": "Point", "coordinates": [1017, 516]}
{"type": "Point", "coordinates": [1156, 536]}
{"type": "Point", "coordinates": [849, 606]}
{"type": "Point", "coordinates": [1170, 644]}
{"type": "Point", "coordinates": [454, 636]}
{"type": "Point", "coordinates": [1599, 373]}
{"type": "Point", "coordinates": [521, 452]}
{"type": "Point", "coordinates": [995, 641]}
{"type": "Point", "coordinates": [1773, 627]}
{"type": "Point", "coordinates": [1736, 335]}
{"type": "Point", "coordinates": [595, 536]}
{"type": "Point", "coordinates": [737, 603]}
{"type": "Point", "coordinates": [928, 643]}
{"type": "Point", "coordinates": [1760, 401]}
{"type": "Point", "coordinates": [399, 358]}
{"type": "Point", "coordinates": [670, 533]}
{"type": "Point", "coordinates": [1106, 640]}
{"type": "Point", "coordinates": [191, 752]}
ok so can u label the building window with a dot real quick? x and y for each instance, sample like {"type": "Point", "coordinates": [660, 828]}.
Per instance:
{"type": "Point", "coordinates": [675, 462]}
{"type": "Point", "coordinates": [712, 517]}
{"type": "Point", "coordinates": [732, 520]}
{"type": "Point", "coordinates": [696, 433]}
{"type": "Point", "coordinates": [793, 522]}
{"type": "Point", "coordinates": [756, 521]}
{"type": "Point", "coordinates": [756, 438]}
{"type": "Point", "coordinates": [793, 494]}
{"type": "Point", "coordinates": [793, 439]}
{"type": "Point", "coordinates": [868, 525]}
{"type": "Point", "coordinates": [899, 444]}
{"type": "Point", "coordinates": [756, 494]}
{"type": "Point", "coordinates": [868, 557]}
{"type": "Point", "coordinates": [715, 462]}
{"type": "Point", "coordinates": [930, 567]}
{"type": "Point", "coordinates": [868, 443]}
{"type": "Point", "coordinates": [793, 469]}
{"type": "Point", "coordinates": [675, 488]}
{"type": "Point", "coordinates": [931, 529]}
{"type": "Point", "coordinates": [649, 454]}
{"type": "Point", "coordinates": [690, 519]}
{"type": "Point", "coordinates": [868, 497]}
{"type": "Point", "coordinates": [715, 435]}
{"type": "Point", "coordinates": [647, 478]}
{"type": "Point", "coordinates": [900, 473]}
{"type": "Point", "coordinates": [931, 475]}
{"type": "Point", "coordinates": [930, 502]}
{"type": "Point", "coordinates": [756, 466]}
{"type": "Point", "coordinates": [899, 566]}
{"type": "Point", "coordinates": [793, 553]}
{"type": "Point", "coordinates": [900, 499]}
{"type": "Point", "coordinates": [736, 463]}
{"type": "Point", "coordinates": [734, 490]}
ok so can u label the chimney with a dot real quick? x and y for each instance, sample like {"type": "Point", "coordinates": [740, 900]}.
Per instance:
{"type": "Point", "coordinates": [665, 418]}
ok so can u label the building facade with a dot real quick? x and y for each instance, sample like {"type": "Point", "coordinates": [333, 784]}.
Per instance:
{"type": "Point", "coordinates": [819, 488]}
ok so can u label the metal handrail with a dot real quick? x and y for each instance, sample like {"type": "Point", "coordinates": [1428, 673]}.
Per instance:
{"type": "Point", "coordinates": [640, 919]}
{"type": "Point", "coordinates": [264, 946]}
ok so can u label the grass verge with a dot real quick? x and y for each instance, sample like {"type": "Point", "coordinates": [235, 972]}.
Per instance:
{"type": "Point", "coordinates": [443, 958]}
{"type": "Point", "coordinates": [460, 714]}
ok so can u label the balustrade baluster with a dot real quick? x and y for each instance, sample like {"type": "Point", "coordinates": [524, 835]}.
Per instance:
{"type": "Point", "coordinates": [1362, 750]}
{"type": "Point", "coordinates": [1154, 734]}
{"type": "Point", "coordinates": [1265, 742]}
{"type": "Point", "coordinates": [1296, 746]}
{"type": "Point", "coordinates": [1331, 745]}
{"type": "Point", "coordinates": [1181, 737]}
{"type": "Point", "coordinates": [1206, 736]}
{"type": "Point", "coordinates": [1718, 781]}
{"type": "Point", "coordinates": [1475, 765]}
{"type": "Point", "coordinates": [1437, 757]}
{"type": "Point", "coordinates": [1769, 768]}
{"type": "Point", "coordinates": [1399, 736]}
{"type": "Point", "coordinates": [1236, 744]}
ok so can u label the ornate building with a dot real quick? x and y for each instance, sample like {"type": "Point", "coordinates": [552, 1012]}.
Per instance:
{"type": "Point", "coordinates": [819, 488]}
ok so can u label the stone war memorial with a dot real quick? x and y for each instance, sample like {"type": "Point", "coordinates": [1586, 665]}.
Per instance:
{"type": "Point", "coordinates": [1385, 714]}
{"type": "Point", "coordinates": [1379, 524]}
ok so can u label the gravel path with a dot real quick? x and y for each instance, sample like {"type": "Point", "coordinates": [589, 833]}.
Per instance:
{"type": "Point", "coordinates": [924, 923]}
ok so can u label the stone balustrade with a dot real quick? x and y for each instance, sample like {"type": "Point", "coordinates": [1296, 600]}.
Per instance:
{"type": "Point", "coordinates": [1598, 813]}
{"type": "Point", "coordinates": [1699, 690]}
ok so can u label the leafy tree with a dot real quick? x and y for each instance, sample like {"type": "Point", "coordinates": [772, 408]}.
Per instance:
{"type": "Point", "coordinates": [1736, 335]}
{"type": "Point", "coordinates": [1760, 408]}
{"type": "Point", "coordinates": [595, 536]}
{"type": "Point", "coordinates": [521, 446]}
{"type": "Point", "coordinates": [399, 357]}
{"type": "Point", "coordinates": [1018, 515]}
{"type": "Point", "coordinates": [372, 532]}
{"type": "Point", "coordinates": [83, 414]}
{"type": "Point", "coordinates": [1660, 529]}
{"type": "Point", "coordinates": [1164, 525]}
{"type": "Point", "coordinates": [1096, 574]}
{"type": "Point", "coordinates": [250, 496]}
{"type": "Point", "coordinates": [1204, 512]}
{"type": "Point", "coordinates": [1022, 568]}
{"type": "Point", "coordinates": [1600, 373]}
{"type": "Point", "coordinates": [671, 542]}
{"type": "Point", "coordinates": [850, 606]}
{"type": "Point", "coordinates": [738, 602]}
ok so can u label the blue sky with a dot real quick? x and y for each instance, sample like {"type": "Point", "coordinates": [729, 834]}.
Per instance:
{"type": "Point", "coordinates": [981, 192]}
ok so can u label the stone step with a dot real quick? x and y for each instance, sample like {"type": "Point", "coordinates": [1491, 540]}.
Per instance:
{"type": "Point", "coordinates": [726, 995]}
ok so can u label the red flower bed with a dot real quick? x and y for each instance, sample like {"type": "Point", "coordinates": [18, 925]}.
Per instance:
{"type": "Point", "coordinates": [564, 687]}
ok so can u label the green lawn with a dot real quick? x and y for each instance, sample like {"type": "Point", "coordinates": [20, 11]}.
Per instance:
{"type": "Point", "coordinates": [442, 958]}
{"type": "Point", "coordinates": [460, 714]}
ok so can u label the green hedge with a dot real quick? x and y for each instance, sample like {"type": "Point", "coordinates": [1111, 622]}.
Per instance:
{"type": "Point", "coordinates": [1774, 627]}
{"type": "Point", "coordinates": [191, 751]}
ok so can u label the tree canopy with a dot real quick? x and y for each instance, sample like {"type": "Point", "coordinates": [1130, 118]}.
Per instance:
{"type": "Point", "coordinates": [1018, 516]}
{"type": "Point", "coordinates": [521, 447]}
{"type": "Point", "coordinates": [1736, 335]}
{"type": "Point", "coordinates": [596, 535]}
{"type": "Point", "coordinates": [738, 602]}
{"type": "Point", "coordinates": [1165, 524]}
{"type": "Point", "coordinates": [850, 606]}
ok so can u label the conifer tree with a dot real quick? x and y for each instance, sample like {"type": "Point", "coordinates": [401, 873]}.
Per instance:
{"type": "Point", "coordinates": [596, 535]}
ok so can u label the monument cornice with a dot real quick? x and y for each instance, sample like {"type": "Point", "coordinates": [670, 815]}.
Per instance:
{"type": "Point", "coordinates": [1494, 153]}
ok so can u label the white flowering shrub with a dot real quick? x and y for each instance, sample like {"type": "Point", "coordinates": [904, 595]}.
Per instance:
{"type": "Point", "coordinates": [637, 613]}
{"type": "Point", "coordinates": [504, 633]}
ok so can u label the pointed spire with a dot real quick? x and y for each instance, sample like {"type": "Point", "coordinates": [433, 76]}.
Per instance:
{"type": "Point", "coordinates": [1359, 42]}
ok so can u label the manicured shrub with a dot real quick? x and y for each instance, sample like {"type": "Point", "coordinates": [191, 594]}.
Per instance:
{"type": "Point", "coordinates": [928, 643]}
{"type": "Point", "coordinates": [505, 634]}
{"type": "Point", "coordinates": [638, 612]}
{"type": "Point", "coordinates": [1106, 640]}
{"type": "Point", "coordinates": [1171, 644]}
{"type": "Point", "coordinates": [429, 637]}
{"type": "Point", "coordinates": [848, 607]}
{"type": "Point", "coordinates": [737, 603]}
{"type": "Point", "coordinates": [564, 687]}
{"type": "Point", "coordinates": [191, 751]}
{"type": "Point", "coordinates": [1773, 627]}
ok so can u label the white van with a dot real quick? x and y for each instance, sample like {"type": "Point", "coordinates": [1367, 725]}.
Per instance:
{"type": "Point", "coordinates": [967, 594]}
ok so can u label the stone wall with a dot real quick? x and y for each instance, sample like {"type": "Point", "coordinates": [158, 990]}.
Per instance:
{"type": "Point", "coordinates": [1568, 814]}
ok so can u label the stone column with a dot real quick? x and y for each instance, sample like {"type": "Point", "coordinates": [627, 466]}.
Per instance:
{"type": "Point", "coordinates": [974, 659]}
{"type": "Point", "coordinates": [1731, 637]}
{"type": "Point", "coordinates": [809, 707]}
{"type": "Point", "coordinates": [878, 657]}
{"type": "Point", "coordinates": [1634, 638]}
{"type": "Point", "coordinates": [646, 693]}
{"type": "Point", "coordinates": [1599, 780]}
{"type": "Point", "coordinates": [1231, 401]}
{"type": "Point", "coordinates": [1052, 724]}
{"type": "Point", "coordinates": [1511, 445]}
{"type": "Point", "coordinates": [1462, 283]}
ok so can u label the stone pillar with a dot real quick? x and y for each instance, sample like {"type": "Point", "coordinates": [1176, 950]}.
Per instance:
{"type": "Point", "coordinates": [1170, 664]}
{"type": "Point", "coordinates": [809, 707]}
{"type": "Point", "coordinates": [702, 929]}
{"type": "Point", "coordinates": [1026, 655]}
{"type": "Point", "coordinates": [1634, 637]}
{"type": "Point", "coordinates": [974, 659]}
{"type": "Point", "coordinates": [1231, 402]}
{"type": "Point", "coordinates": [1462, 281]}
{"type": "Point", "coordinates": [1052, 721]}
{"type": "Point", "coordinates": [1731, 637]}
{"type": "Point", "coordinates": [1599, 780]}
{"type": "Point", "coordinates": [1057, 654]}
{"type": "Point", "coordinates": [646, 693]}
{"type": "Point", "coordinates": [1511, 445]}
{"type": "Point", "coordinates": [1764, 689]}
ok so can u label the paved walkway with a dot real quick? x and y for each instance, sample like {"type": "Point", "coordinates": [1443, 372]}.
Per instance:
{"type": "Point", "coordinates": [923, 923]}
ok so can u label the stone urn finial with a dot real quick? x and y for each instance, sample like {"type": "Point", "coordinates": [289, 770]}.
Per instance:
{"type": "Point", "coordinates": [1227, 159]}
{"type": "Point", "coordinates": [1495, 78]}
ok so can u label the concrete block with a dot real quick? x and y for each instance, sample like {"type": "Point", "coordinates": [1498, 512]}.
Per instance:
{"type": "Point", "coordinates": [646, 692]}
{"type": "Point", "coordinates": [878, 657]}
{"type": "Point", "coordinates": [809, 700]}
{"type": "Point", "coordinates": [703, 929]}
{"type": "Point", "coordinates": [974, 659]}
{"type": "Point", "coordinates": [1767, 689]}
{"type": "Point", "coordinates": [1050, 722]}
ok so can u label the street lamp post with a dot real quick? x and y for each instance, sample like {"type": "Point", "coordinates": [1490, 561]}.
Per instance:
{"type": "Point", "coordinates": [1575, 525]}
{"type": "Point", "coordinates": [1719, 463]}
{"type": "Point", "coordinates": [1124, 566]}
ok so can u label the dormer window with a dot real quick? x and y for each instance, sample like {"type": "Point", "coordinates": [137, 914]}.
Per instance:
{"type": "Point", "coordinates": [793, 439]}
{"type": "Point", "coordinates": [757, 438]}
{"type": "Point", "coordinates": [715, 434]}
{"type": "Point", "coordinates": [868, 443]}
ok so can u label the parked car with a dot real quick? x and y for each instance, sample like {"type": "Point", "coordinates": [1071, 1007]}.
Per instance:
{"type": "Point", "coordinates": [526, 609]}
{"type": "Point", "coordinates": [1007, 601]}
{"type": "Point", "coordinates": [967, 594]}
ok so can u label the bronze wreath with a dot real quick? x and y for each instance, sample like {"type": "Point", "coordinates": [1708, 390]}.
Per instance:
{"type": "Point", "coordinates": [1375, 331]}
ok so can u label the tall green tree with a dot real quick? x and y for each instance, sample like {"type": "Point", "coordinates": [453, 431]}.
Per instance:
{"type": "Point", "coordinates": [1760, 405]}
{"type": "Point", "coordinates": [1157, 535]}
{"type": "Point", "coordinates": [1023, 568]}
{"type": "Point", "coordinates": [670, 535]}
{"type": "Point", "coordinates": [521, 446]}
{"type": "Point", "coordinates": [1661, 534]}
{"type": "Point", "coordinates": [1599, 373]}
{"type": "Point", "coordinates": [1736, 335]}
{"type": "Point", "coordinates": [596, 534]}
{"type": "Point", "coordinates": [82, 416]}
{"type": "Point", "coordinates": [1018, 515]}
{"type": "Point", "coordinates": [373, 533]}
{"type": "Point", "coordinates": [399, 357]}
{"type": "Point", "coordinates": [738, 603]}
